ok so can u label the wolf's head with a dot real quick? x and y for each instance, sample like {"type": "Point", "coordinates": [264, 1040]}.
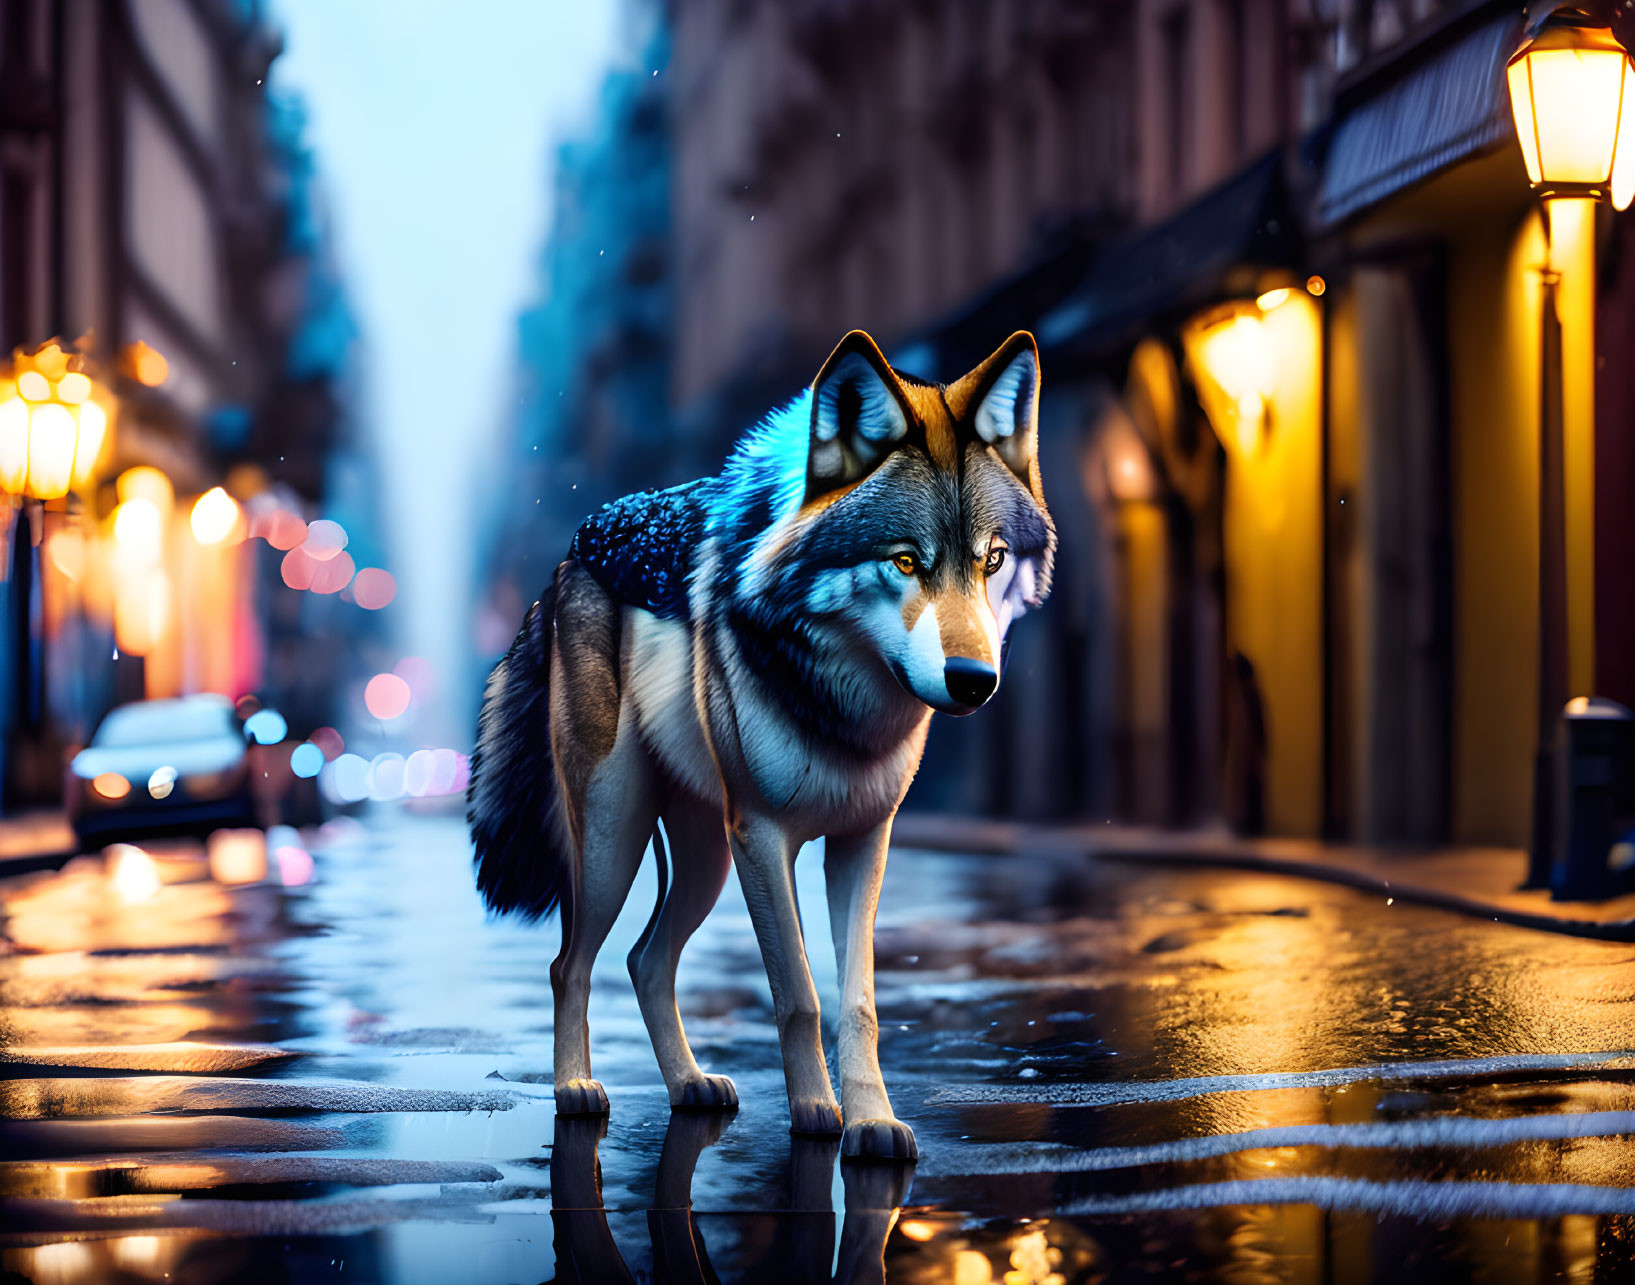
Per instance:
{"type": "Point", "coordinates": [922, 532]}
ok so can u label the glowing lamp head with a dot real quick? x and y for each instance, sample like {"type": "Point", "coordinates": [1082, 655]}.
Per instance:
{"type": "Point", "coordinates": [1572, 94]}
{"type": "Point", "coordinates": [53, 423]}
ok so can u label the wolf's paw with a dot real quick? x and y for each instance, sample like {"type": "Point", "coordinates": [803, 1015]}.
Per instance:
{"type": "Point", "coordinates": [581, 1097]}
{"type": "Point", "coordinates": [817, 1117]}
{"type": "Point", "coordinates": [707, 1093]}
{"type": "Point", "coordinates": [879, 1140]}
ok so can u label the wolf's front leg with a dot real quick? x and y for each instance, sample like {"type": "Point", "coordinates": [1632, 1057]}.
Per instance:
{"type": "Point", "coordinates": [854, 867]}
{"type": "Point", "coordinates": [765, 857]}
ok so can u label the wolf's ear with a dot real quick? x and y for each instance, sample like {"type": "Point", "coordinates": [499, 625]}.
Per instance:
{"type": "Point", "coordinates": [858, 415]}
{"type": "Point", "coordinates": [1000, 401]}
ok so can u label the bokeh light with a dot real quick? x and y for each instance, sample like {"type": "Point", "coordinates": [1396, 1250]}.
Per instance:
{"type": "Point", "coordinates": [329, 741]}
{"type": "Point", "coordinates": [284, 530]}
{"type": "Point", "coordinates": [133, 873]}
{"type": "Point", "coordinates": [295, 866]}
{"type": "Point", "coordinates": [139, 528]}
{"type": "Point", "coordinates": [306, 760]}
{"type": "Point", "coordinates": [66, 549]}
{"type": "Point", "coordinates": [419, 772]}
{"type": "Point", "coordinates": [146, 365]}
{"type": "Point", "coordinates": [445, 764]}
{"type": "Point", "coordinates": [111, 785]}
{"type": "Point", "coordinates": [266, 726]}
{"type": "Point", "coordinates": [237, 856]}
{"type": "Point", "coordinates": [324, 539]}
{"type": "Point", "coordinates": [349, 778]}
{"type": "Point", "coordinates": [297, 569]}
{"type": "Point", "coordinates": [215, 516]}
{"type": "Point", "coordinates": [386, 696]}
{"type": "Point", "coordinates": [373, 588]}
{"type": "Point", "coordinates": [144, 482]}
{"type": "Point", "coordinates": [333, 575]}
{"type": "Point", "coordinates": [386, 777]}
{"type": "Point", "coordinates": [162, 782]}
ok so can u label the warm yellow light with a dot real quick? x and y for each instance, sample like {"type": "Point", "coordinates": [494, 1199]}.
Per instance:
{"type": "Point", "coordinates": [13, 445]}
{"type": "Point", "coordinates": [111, 785]}
{"type": "Point", "coordinates": [1239, 360]}
{"type": "Point", "coordinates": [93, 429]}
{"type": "Point", "coordinates": [1623, 157]}
{"type": "Point", "coordinates": [141, 607]}
{"type": "Point", "coordinates": [215, 515]}
{"type": "Point", "coordinates": [1232, 359]}
{"type": "Point", "coordinates": [66, 549]}
{"type": "Point", "coordinates": [146, 483]}
{"type": "Point", "coordinates": [971, 1267]}
{"type": "Point", "coordinates": [237, 856]}
{"type": "Point", "coordinates": [1567, 98]}
{"type": "Point", "coordinates": [147, 365]}
{"type": "Point", "coordinates": [134, 874]}
{"type": "Point", "coordinates": [916, 1230]}
{"type": "Point", "coordinates": [139, 529]}
{"type": "Point", "coordinates": [1315, 286]}
{"type": "Point", "coordinates": [53, 425]}
{"type": "Point", "coordinates": [51, 437]}
{"type": "Point", "coordinates": [1272, 298]}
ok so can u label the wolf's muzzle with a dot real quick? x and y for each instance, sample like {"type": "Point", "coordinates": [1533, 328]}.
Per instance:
{"type": "Point", "coordinates": [970, 682]}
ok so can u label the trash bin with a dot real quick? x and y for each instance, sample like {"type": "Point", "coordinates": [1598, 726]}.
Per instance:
{"type": "Point", "coordinates": [1595, 799]}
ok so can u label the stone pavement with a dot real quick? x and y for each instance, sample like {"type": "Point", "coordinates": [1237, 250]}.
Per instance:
{"type": "Point", "coordinates": [1114, 1071]}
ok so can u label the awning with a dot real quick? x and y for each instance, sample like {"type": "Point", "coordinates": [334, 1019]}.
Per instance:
{"type": "Point", "coordinates": [1449, 104]}
{"type": "Point", "coordinates": [1181, 265]}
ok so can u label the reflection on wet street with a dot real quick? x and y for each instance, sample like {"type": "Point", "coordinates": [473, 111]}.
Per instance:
{"type": "Point", "coordinates": [1113, 1073]}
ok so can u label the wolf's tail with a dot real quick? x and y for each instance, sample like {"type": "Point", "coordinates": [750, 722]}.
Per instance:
{"type": "Point", "coordinates": [521, 849]}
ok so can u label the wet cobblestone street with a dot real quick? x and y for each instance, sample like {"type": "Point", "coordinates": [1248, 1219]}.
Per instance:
{"type": "Point", "coordinates": [1114, 1073]}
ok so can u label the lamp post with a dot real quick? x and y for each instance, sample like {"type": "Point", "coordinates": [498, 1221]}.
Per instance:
{"type": "Point", "coordinates": [1572, 93]}
{"type": "Point", "coordinates": [54, 421]}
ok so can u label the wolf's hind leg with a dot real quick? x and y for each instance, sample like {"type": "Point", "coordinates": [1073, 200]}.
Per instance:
{"type": "Point", "coordinates": [699, 856]}
{"type": "Point", "coordinates": [617, 816]}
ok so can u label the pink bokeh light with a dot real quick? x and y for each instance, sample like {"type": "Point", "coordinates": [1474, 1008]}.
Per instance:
{"type": "Point", "coordinates": [386, 696]}
{"type": "Point", "coordinates": [332, 575]}
{"type": "Point", "coordinates": [374, 588]}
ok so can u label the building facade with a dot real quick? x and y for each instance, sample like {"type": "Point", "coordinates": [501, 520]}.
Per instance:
{"type": "Point", "coordinates": [1286, 274]}
{"type": "Point", "coordinates": [155, 215]}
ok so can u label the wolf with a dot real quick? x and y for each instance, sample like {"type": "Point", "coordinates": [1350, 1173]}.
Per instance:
{"type": "Point", "coordinates": [735, 667]}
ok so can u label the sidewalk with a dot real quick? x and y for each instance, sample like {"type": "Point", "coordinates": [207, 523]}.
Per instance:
{"type": "Point", "coordinates": [1482, 882]}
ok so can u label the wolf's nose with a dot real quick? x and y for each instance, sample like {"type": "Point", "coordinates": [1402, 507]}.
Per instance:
{"type": "Point", "coordinates": [970, 682]}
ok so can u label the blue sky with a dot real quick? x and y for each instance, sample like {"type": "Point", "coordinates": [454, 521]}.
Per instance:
{"type": "Point", "coordinates": [435, 126]}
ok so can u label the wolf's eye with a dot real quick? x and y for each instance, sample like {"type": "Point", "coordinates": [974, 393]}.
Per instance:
{"type": "Point", "coordinates": [995, 560]}
{"type": "Point", "coordinates": [907, 563]}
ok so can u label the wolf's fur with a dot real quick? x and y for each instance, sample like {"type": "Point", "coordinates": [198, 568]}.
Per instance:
{"type": "Point", "coordinates": [749, 663]}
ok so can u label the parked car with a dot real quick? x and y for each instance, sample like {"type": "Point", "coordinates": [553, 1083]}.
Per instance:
{"type": "Point", "coordinates": [161, 767]}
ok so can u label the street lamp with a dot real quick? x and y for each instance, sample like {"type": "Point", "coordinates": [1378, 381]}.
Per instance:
{"type": "Point", "coordinates": [53, 423]}
{"type": "Point", "coordinates": [1572, 92]}
{"type": "Point", "coordinates": [1572, 95]}
{"type": "Point", "coordinates": [1232, 362]}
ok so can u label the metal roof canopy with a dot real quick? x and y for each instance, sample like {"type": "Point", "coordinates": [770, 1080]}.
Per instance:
{"type": "Point", "coordinates": [1183, 264]}
{"type": "Point", "coordinates": [1449, 103]}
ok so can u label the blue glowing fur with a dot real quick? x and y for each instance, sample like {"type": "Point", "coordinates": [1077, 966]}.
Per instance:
{"type": "Point", "coordinates": [767, 471]}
